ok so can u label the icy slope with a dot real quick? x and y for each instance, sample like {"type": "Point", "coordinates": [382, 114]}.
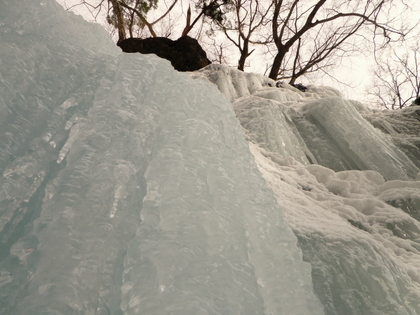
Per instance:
{"type": "Point", "coordinates": [316, 126]}
{"type": "Point", "coordinates": [129, 188]}
{"type": "Point", "coordinates": [402, 126]}
{"type": "Point", "coordinates": [364, 251]}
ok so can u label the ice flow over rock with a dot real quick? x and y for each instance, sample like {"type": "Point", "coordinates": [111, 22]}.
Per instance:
{"type": "Point", "coordinates": [129, 188]}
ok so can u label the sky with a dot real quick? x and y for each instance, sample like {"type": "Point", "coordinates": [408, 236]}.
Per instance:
{"type": "Point", "coordinates": [353, 78]}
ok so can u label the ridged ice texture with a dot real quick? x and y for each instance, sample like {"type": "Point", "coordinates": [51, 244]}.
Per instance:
{"type": "Point", "coordinates": [211, 240]}
{"type": "Point", "coordinates": [270, 124]}
{"type": "Point", "coordinates": [365, 146]}
{"type": "Point", "coordinates": [360, 233]}
{"type": "Point", "coordinates": [129, 188]}
{"type": "Point", "coordinates": [315, 126]}
{"type": "Point", "coordinates": [402, 126]}
{"type": "Point", "coordinates": [364, 251]}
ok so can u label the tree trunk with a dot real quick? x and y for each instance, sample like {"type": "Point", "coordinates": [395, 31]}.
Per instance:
{"type": "Point", "coordinates": [278, 60]}
{"type": "Point", "coordinates": [120, 20]}
{"type": "Point", "coordinates": [244, 55]}
{"type": "Point", "coordinates": [187, 27]}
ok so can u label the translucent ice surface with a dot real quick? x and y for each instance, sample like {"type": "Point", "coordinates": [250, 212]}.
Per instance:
{"type": "Point", "coordinates": [128, 188]}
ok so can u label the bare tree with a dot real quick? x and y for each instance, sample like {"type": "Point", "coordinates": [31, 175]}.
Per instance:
{"type": "Point", "coordinates": [243, 21]}
{"type": "Point", "coordinates": [396, 82]}
{"type": "Point", "coordinates": [140, 11]}
{"type": "Point", "coordinates": [131, 16]}
{"type": "Point", "coordinates": [214, 10]}
{"type": "Point", "coordinates": [322, 28]}
{"type": "Point", "coordinates": [127, 16]}
{"type": "Point", "coordinates": [300, 37]}
{"type": "Point", "coordinates": [318, 53]}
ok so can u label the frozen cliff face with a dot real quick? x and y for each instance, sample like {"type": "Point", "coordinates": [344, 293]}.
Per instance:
{"type": "Point", "coordinates": [402, 126]}
{"type": "Point", "coordinates": [316, 126]}
{"type": "Point", "coordinates": [129, 188]}
{"type": "Point", "coordinates": [346, 220]}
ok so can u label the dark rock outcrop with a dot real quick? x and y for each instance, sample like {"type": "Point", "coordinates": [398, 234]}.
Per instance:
{"type": "Point", "coordinates": [299, 86]}
{"type": "Point", "coordinates": [185, 54]}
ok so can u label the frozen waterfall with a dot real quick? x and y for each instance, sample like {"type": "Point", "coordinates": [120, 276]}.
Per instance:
{"type": "Point", "coordinates": [129, 188]}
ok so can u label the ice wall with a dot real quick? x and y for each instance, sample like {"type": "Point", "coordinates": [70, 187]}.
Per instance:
{"type": "Point", "coordinates": [127, 187]}
{"type": "Point", "coordinates": [315, 126]}
{"type": "Point", "coordinates": [400, 125]}
{"type": "Point", "coordinates": [360, 233]}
